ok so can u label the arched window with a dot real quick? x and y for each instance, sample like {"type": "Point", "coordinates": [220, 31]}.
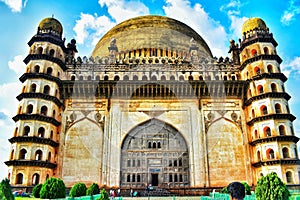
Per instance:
{"type": "Point", "coordinates": [51, 53]}
{"type": "Point", "coordinates": [49, 157]}
{"type": "Point", "coordinates": [89, 78]}
{"type": "Point", "coordinates": [135, 78]}
{"type": "Point", "coordinates": [33, 87]}
{"type": "Point", "coordinates": [22, 154]}
{"type": "Point", "coordinates": [257, 71]}
{"type": "Point", "coordinates": [285, 152]}
{"type": "Point", "coordinates": [44, 110]}
{"type": "Point", "coordinates": [191, 78]}
{"type": "Point", "coordinates": [138, 178]}
{"type": "Point", "coordinates": [282, 130]}
{"type": "Point", "coordinates": [277, 108]}
{"type": "Point", "coordinates": [116, 78]}
{"type": "Point", "coordinates": [80, 78]}
{"type": "Point", "coordinates": [128, 163]}
{"type": "Point", "coordinates": [208, 78]}
{"type": "Point", "coordinates": [260, 89]}
{"type": "Point", "coordinates": [154, 145]}
{"type": "Point", "coordinates": [41, 132]}
{"type": "Point", "coordinates": [40, 50]}
{"type": "Point", "coordinates": [49, 70]}
{"type": "Point", "coordinates": [73, 78]}
{"type": "Point", "coordinates": [163, 78]}
{"type": "Point", "coordinates": [128, 178]}
{"type": "Point", "coordinates": [175, 178]}
{"type": "Point", "coordinates": [264, 110]}
{"type": "Point", "coordinates": [36, 69]}
{"type": "Point", "coordinates": [253, 52]}
{"type": "Point", "coordinates": [258, 155]}
{"type": "Point", "coordinates": [29, 109]}
{"type": "Point", "coordinates": [158, 145]}
{"type": "Point", "coordinates": [201, 78]}
{"type": "Point", "coordinates": [106, 77]}
{"type": "Point", "coordinates": [26, 131]}
{"type": "Point", "coordinates": [217, 77]}
{"type": "Point", "coordinates": [274, 87]}
{"type": "Point", "coordinates": [149, 145]}
{"type": "Point", "coordinates": [46, 89]}
{"type": "Point", "coordinates": [233, 77]}
{"type": "Point", "coordinates": [144, 78]}
{"type": "Point", "coordinates": [180, 178]}
{"type": "Point", "coordinates": [126, 78]}
{"type": "Point", "coordinates": [175, 163]}
{"type": "Point", "coordinates": [267, 131]}
{"type": "Point", "coordinates": [170, 178]}
{"type": "Point", "coordinates": [35, 179]}
{"type": "Point", "coordinates": [12, 154]}
{"type": "Point", "coordinates": [270, 68]}
{"type": "Point", "coordinates": [47, 176]}
{"type": "Point", "coordinates": [133, 178]}
{"type": "Point", "coordinates": [266, 50]}
{"type": "Point", "coordinates": [270, 154]}
{"type": "Point", "coordinates": [225, 78]}
{"type": "Point", "coordinates": [19, 178]}
{"type": "Point", "coordinates": [53, 114]}
{"type": "Point", "coordinates": [181, 78]}
{"type": "Point", "coordinates": [255, 134]}
{"type": "Point", "coordinates": [289, 177]}
{"type": "Point", "coordinates": [180, 162]}
{"type": "Point", "coordinates": [172, 78]}
{"type": "Point", "coordinates": [253, 113]}
{"type": "Point", "coordinates": [153, 78]}
{"type": "Point", "coordinates": [38, 155]}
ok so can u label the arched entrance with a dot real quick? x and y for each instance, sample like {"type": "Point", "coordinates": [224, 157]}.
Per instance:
{"type": "Point", "coordinates": [154, 153]}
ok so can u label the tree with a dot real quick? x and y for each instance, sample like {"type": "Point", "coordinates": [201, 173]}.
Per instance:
{"type": "Point", "coordinates": [36, 190]}
{"type": "Point", "coordinates": [93, 189]}
{"type": "Point", "coordinates": [271, 187]}
{"type": "Point", "coordinates": [103, 195]}
{"type": "Point", "coordinates": [53, 188]}
{"type": "Point", "coordinates": [5, 191]}
{"type": "Point", "coordinates": [78, 190]}
{"type": "Point", "coordinates": [247, 188]}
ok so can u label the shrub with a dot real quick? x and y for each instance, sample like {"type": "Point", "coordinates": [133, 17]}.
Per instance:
{"type": "Point", "coordinates": [78, 190]}
{"type": "Point", "coordinates": [5, 191]}
{"type": "Point", "coordinates": [36, 190]}
{"type": "Point", "coordinates": [53, 188]}
{"type": "Point", "coordinates": [224, 190]}
{"type": "Point", "coordinates": [247, 188]}
{"type": "Point", "coordinates": [103, 195]}
{"type": "Point", "coordinates": [271, 187]}
{"type": "Point", "coordinates": [93, 189]}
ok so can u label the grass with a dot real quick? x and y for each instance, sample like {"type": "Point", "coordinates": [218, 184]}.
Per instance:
{"type": "Point", "coordinates": [21, 198]}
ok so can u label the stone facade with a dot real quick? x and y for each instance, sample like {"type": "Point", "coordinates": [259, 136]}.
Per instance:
{"type": "Point", "coordinates": [152, 106]}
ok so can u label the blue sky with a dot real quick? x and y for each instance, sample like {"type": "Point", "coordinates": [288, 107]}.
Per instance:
{"type": "Point", "coordinates": [216, 21]}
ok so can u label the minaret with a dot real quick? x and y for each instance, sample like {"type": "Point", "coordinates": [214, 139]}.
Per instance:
{"type": "Point", "coordinates": [269, 121]}
{"type": "Point", "coordinates": [34, 148]}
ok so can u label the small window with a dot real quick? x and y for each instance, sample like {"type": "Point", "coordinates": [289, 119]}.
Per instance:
{"type": "Point", "coordinates": [144, 78]}
{"type": "Point", "coordinates": [126, 78]}
{"type": "Point", "coordinates": [22, 154]}
{"type": "Point", "coordinates": [46, 89]}
{"type": "Point", "coordinates": [264, 110]}
{"type": "Point", "coordinates": [26, 131]}
{"type": "Point", "coordinates": [49, 70]}
{"type": "Point", "coordinates": [270, 68]}
{"type": "Point", "coordinates": [51, 53]}
{"type": "Point", "coordinates": [97, 78]}
{"type": "Point", "coordinates": [153, 78]}
{"type": "Point", "coordinates": [282, 130]}
{"type": "Point", "coordinates": [89, 78]}
{"type": "Point", "coordinates": [19, 178]}
{"type": "Point", "coordinates": [128, 178]}
{"type": "Point", "coordinates": [257, 71]}
{"type": "Point", "coordinates": [138, 178]}
{"type": "Point", "coordinates": [270, 154]}
{"type": "Point", "coordinates": [289, 177]}
{"type": "Point", "coordinates": [267, 131]}
{"type": "Point", "coordinates": [106, 78]}
{"type": "Point", "coordinates": [29, 109]}
{"type": "Point", "coordinates": [41, 132]}
{"type": "Point", "coordinates": [44, 110]}
{"type": "Point", "coordinates": [40, 50]}
{"type": "Point", "coordinates": [266, 50]}
{"type": "Point", "coordinates": [35, 179]}
{"type": "Point", "coordinates": [36, 69]}
{"type": "Point", "coordinates": [253, 52]}
{"type": "Point", "coordinates": [258, 155]}
{"type": "Point", "coordinates": [38, 155]}
{"type": "Point", "coordinates": [163, 78]}
{"type": "Point", "coordinates": [274, 87]}
{"type": "Point", "coordinates": [172, 78]}
{"type": "Point", "coordinates": [191, 78]}
{"type": "Point", "coordinates": [73, 78]}
{"type": "Point", "coordinates": [33, 88]}
{"type": "Point", "coordinates": [277, 108]}
{"type": "Point", "coordinates": [285, 152]}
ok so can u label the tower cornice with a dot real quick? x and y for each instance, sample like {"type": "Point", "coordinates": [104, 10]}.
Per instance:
{"type": "Point", "coordinates": [37, 117]}
{"type": "Point", "coordinates": [38, 140]}
{"type": "Point", "coordinates": [45, 57]}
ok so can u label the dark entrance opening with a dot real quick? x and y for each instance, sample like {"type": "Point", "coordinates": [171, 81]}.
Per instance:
{"type": "Point", "coordinates": [154, 179]}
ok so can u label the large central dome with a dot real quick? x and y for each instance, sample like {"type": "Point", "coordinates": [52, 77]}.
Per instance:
{"type": "Point", "coordinates": [152, 32]}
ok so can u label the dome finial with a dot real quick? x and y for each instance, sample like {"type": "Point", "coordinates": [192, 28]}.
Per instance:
{"type": "Point", "coordinates": [252, 24]}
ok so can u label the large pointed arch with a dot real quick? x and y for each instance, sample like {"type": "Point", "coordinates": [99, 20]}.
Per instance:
{"type": "Point", "coordinates": [157, 153]}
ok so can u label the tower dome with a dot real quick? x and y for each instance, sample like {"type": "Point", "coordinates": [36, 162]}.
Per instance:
{"type": "Point", "coordinates": [253, 23]}
{"type": "Point", "coordinates": [152, 32]}
{"type": "Point", "coordinates": [50, 24]}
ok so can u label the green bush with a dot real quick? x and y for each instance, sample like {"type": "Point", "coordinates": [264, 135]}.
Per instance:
{"type": "Point", "coordinates": [78, 190]}
{"type": "Point", "coordinates": [247, 188]}
{"type": "Point", "coordinates": [53, 188]}
{"type": "Point", "coordinates": [224, 190]}
{"type": "Point", "coordinates": [36, 190]}
{"type": "Point", "coordinates": [5, 191]}
{"type": "Point", "coordinates": [103, 195]}
{"type": "Point", "coordinates": [93, 189]}
{"type": "Point", "coordinates": [272, 188]}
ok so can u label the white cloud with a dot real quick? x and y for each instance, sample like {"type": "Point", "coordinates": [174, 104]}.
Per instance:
{"type": "Point", "coordinates": [121, 10]}
{"type": "Point", "coordinates": [198, 19]}
{"type": "Point", "coordinates": [14, 5]}
{"type": "Point", "coordinates": [289, 15]}
{"type": "Point", "coordinates": [292, 67]}
{"type": "Point", "coordinates": [17, 65]}
{"type": "Point", "coordinates": [91, 28]}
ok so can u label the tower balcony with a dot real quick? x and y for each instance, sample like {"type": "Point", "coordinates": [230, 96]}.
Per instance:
{"type": "Point", "coordinates": [34, 95]}
{"type": "Point", "coordinates": [268, 162]}
{"type": "Point", "coordinates": [45, 57]}
{"type": "Point", "coordinates": [34, 139]}
{"type": "Point", "coordinates": [274, 116]}
{"type": "Point", "coordinates": [31, 163]}
{"type": "Point", "coordinates": [284, 95]}
{"type": "Point", "coordinates": [260, 57]}
{"type": "Point", "coordinates": [279, 138]}
{"type": "Point", "coordinates": [48, 77]}
{"type": "Point", "coordinates": [37, 117]}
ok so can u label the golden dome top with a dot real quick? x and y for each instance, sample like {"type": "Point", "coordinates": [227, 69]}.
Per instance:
{"type": "Point", "coordinates": [252, 24]}
{"type": "Point", "coordinates": [51, 24]}
{"type": "Point", "coordinates": [151, 32]}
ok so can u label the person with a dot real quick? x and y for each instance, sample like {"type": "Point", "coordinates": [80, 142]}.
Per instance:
{"type": "Point", "coordinates": [119, 192]}
{"type": "Point", "coordinates": [236, 191]}
{"type": "Point", "coordinates": [131, 192]}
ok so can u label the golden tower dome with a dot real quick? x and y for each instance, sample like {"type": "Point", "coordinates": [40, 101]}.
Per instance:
{"type": "Point", "coordinates": [51, 23]}
{"type": "Point", "coordinates": [252, 24]}
{"type": "Point", "coordinates": [152, 32]}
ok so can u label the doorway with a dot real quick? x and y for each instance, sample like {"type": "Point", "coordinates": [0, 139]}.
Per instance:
{"type": "Point", "coordinates": [154, 179]}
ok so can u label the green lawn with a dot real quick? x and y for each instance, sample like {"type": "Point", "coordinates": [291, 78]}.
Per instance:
{"type": "Point", "coordinates": [21, 198]}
